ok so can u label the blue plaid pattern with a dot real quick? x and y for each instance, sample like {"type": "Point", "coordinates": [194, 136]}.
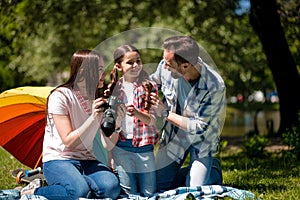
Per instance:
{"type": "Point", "coordinates": [209, 192]}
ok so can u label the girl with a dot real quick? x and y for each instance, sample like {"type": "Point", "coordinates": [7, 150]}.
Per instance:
{"type": "Point", "coordinates": [133, 153]}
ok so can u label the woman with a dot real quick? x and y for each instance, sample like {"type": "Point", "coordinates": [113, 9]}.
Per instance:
{"type": "Point", "coordinates": [73, 118]}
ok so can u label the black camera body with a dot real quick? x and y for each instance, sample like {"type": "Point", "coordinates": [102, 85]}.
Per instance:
{"type": "Point", "coordinates": [108, 123]}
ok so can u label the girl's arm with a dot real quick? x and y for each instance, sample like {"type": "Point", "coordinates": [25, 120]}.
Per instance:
{"type": "Point", "coordinates": [144, 116]}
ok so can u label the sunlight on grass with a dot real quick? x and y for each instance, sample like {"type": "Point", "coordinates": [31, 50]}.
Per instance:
{"type": "Point", "coordinates": [8, 163]}
{"type": "Point", "coordinates": [268, 178]}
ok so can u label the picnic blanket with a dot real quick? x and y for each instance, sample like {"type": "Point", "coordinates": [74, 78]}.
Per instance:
{"type": "Point", "coordinates": [209, 192]}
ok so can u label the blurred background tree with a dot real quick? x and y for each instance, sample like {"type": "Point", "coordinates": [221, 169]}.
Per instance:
{"type": "Point", "coordinates": [39, 37]}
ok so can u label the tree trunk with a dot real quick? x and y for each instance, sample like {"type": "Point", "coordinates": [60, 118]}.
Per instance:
{"type": "Point", "coordinates": [266, 22]}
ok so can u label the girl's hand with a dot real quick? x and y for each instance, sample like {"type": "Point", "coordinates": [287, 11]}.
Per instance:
{"type": "Point", "coordinates": [130, 110]}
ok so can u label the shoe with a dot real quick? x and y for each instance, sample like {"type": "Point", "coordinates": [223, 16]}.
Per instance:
{"type": "Point", "coordinates": [36, 183]}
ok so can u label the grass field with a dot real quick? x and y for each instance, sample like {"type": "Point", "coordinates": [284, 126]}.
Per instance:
{"type": "Point", "coordinates": [269, 178]}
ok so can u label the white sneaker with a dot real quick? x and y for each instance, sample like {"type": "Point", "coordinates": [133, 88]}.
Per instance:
{"type": "Point", "coordinates": [36, 183]}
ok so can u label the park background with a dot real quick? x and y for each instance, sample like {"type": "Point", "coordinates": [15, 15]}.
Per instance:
{"type": "Point", "coordinates": [255, 45]}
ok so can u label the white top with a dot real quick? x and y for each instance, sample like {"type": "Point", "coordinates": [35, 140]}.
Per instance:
{"type": "Point", "coordinates": [64, 102]}
{"type": "Point", "coordinates": [127, 123]}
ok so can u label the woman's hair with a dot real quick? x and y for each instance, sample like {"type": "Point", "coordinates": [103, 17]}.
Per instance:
{"type": "Point", "coordinates": [88, 63]}
{"type": "Point", "coordinates": [85, 65]}
{"type": "Point", "coordinates": [185, 49]}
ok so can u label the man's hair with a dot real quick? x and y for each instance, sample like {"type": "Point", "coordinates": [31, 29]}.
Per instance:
{"type": "Point", "coordinates": [185, 49]}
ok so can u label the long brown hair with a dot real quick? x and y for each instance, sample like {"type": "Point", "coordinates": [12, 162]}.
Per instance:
{"type": "Point", "coordinates": [87, 62]}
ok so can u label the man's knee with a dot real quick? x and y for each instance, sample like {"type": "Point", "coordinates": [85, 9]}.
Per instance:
{"type": "Point", "coordinates": [216, 177]}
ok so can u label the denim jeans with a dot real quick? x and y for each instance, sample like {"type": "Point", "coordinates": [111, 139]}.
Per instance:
{"type": "Point", "coordinates": [72, 179]}
{"type": "Point", "coordinates": [201, 171]}
{"type": "Point", "coordinates": [136, 168]}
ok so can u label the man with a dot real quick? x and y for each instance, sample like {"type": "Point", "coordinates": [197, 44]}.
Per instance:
{"type": "Point", "coordinates": [194, 114]}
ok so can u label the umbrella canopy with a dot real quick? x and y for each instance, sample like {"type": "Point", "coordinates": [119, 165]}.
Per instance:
{"type": "Point", "coordinates": [22, 123]}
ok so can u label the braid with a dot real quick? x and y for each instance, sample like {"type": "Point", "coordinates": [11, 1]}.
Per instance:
{"type": "Point", "coordinates": [113, 81]}
{"type": "Point", "coordinates": [148, 87]}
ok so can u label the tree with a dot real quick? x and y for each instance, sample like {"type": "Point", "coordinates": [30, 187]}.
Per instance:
{"type": "Point", "coordinates": [46, 34]}
{"type": "Point", "coordinates": [265, 20]}
{"type": "Point", "coordinates": [39, 35]}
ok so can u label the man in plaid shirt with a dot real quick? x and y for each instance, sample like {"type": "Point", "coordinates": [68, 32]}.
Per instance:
{"type": "Point", "coordinates": [194, 113]}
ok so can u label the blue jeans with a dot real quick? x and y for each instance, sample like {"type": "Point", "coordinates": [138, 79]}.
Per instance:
{"type": "Point", "coordinates": [201, 171]}
{"type": "Point", "coordinates": [72, 179]}
{"type": "Point", "coordinates": [136, 168]}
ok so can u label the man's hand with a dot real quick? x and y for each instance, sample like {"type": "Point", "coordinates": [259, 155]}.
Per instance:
{"type": "Point", "coordinates": [157, 104]}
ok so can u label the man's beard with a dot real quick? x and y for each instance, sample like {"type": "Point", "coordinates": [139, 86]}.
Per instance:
{"type": "Point", "coordinates": [176, 75]}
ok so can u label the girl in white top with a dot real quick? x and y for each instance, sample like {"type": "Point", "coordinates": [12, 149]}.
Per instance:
{"type": "Point", "coordinates": [132, 148]}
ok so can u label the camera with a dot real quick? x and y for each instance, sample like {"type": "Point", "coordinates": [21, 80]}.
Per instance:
{"type": "Point", "coordinates": [108, 123]}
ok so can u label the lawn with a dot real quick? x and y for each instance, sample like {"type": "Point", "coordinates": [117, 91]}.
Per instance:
{"type": "Point", "coordinates": [7, 163]}
{"type": "Point", "coordinates": [269, 178]}
{"type": "Point", "coordinates": [273, 176]}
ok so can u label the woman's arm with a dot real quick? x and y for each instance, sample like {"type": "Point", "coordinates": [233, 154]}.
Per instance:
{"type": "Point", "coordinates": [109, 142]}
{"type": "Point", "coordinates": [71, 137]}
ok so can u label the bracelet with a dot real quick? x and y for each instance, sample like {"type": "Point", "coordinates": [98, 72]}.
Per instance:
{"type": "Point", "coordinates": [117, 131]}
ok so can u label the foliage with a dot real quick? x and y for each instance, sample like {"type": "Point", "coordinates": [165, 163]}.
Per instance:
{"type": "Point", "coordinates": [290, 19]}
{"type": "Point", "coordinates": [254, 146]}
{"type": "Point", "coordinates": [38, 38]}
{"type": "Point", "coordinates": [6, 78]}
{"type": "Point", "coordinates": [292, 139]}
{"type": "Point", "coordinates": [43, 35]}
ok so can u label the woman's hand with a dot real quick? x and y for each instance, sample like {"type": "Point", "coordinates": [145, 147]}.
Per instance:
{"type": "Point", "coordinates": [121, 112]}
{"type": "Point", "coordinates": [98, 106]}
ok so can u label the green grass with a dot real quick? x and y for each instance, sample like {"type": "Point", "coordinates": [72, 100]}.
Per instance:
{"type": "Point", "coordinates": [7, 163]}
{"type": "Point", "coordinates": [269, 178]}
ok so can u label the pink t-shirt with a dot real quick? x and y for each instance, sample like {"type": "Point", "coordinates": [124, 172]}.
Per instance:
{"type": "Point", "coordinates": [65, 102]}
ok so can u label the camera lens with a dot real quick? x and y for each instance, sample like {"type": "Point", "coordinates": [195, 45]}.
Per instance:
{"type": "Point", "coordinates": [108, 122]}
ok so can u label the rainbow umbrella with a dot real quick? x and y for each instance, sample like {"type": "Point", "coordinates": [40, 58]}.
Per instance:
{"type": "Point", "coordinates": [22, 123]}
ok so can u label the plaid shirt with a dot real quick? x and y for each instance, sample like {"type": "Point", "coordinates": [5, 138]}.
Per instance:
{"type": "Point", "coordinates": [142, 133]}
{"type": "Point", "coordinates": [203, 105]}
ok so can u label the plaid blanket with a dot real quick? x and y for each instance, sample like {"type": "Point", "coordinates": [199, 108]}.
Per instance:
{"type": "Point", "coordinates": [209, 192]}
